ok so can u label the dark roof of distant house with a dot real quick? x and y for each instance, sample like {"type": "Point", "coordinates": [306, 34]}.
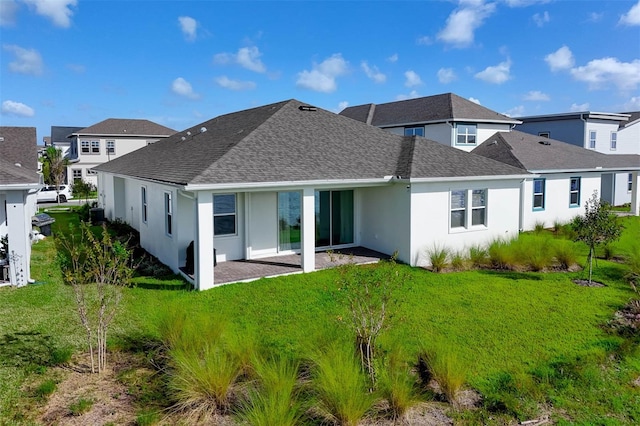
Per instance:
{"type": "Point", "coordinates": [437, 108]}
{"type": "Point", "coordinates": [126, 126]}
{"type": "Point", "coordinates": [577, 115]}
{"type": "Point", "coordinates": [11, 174]}
{"type": "Point", "coordinates": [60, 134]}
{"type": "Point", "coordinates": [537, 153]}
{"type": "Point", "coordinates": [19, 145]}
{"type": "Point", "coordinates": [290, 141]}
{"type": "Point", "coordinates": [633, 119]}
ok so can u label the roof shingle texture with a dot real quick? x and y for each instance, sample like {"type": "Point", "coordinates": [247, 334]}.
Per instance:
{"type": "Point", "coordinates": [447, 106]}
{"type": "Point", "coordinates": [536, 153]}
{"type": "Point", "coordinates": [19, 146]}
{"type": "Point", "coordinates": [282, 143]}
{"type": "Point", "coordinates": [126, 126]}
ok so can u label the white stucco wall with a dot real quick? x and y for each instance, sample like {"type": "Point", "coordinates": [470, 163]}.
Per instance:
{"type": "Point", "coordinates": [430, 216]}
{"type": "Point", "coordinates": [603, 129]}
{"type": "Point", "coordinates": [621, 195]}
{"type": "Point", "coordinates": [629, 139]}
{"type": "Point", "coordinates": [262, 224]}
{"type": "Point", "coordinates": [15, 222]}
{"type": "Point", "coordinates": [557, 198]}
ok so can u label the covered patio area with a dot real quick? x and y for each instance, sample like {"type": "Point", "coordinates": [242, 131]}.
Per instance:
{"type": "Point", "coordinates": [248, 270]}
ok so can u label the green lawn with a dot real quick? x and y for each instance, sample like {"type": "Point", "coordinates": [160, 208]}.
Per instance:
{"type": "Point", "coordinates": [528, 339]}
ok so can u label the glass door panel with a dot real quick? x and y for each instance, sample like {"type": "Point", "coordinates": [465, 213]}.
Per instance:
{"type": "Point", "coordinates": [323, 218]}
{"type": "Point", "coordinates": [334, 218]}
{"type": "Point", "coordinates": [289, 221]}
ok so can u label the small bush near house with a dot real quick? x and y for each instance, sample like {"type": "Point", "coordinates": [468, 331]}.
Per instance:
{"type": "Point", "coordinates": [438, 257]}
{"type": "Point", "coordinates": [478, 256]}
{"type": "Point", "coordinates": [397, 385]}
{"type": "Point", "coordinates": [501, 255]}
{"type": "Point", "coordinates": [538, 227]}
{"type": "Point", "coordinates": [458, 261]}
{"type": "Point", "coordinates": [565, 254]}
{"type": "Point", "coordinates": [533, 252]}
{"type": "Point", "coordinates": [441, 363]}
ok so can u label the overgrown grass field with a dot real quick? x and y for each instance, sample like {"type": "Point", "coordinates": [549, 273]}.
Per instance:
{"type": "Point", "coordinates": [528, 341]}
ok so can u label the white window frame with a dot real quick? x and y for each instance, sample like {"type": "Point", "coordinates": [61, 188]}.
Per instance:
{"type": "Point", "coordinates": [543, 194]}
{"type": "Point", "coordinates": [466, 134]}
{"type": "Point", "coordinates": [143, 203]}
{"type": "Point", "coordinates": [592, 139]}
{"type": "Point", "coordinates": [111, 146]}
{"type": "Point", "coordinates": [411, 131]}
{"type": "Point", "coordinates": [95, 147]}
{"type": "Point", "coordinates": [613, 141]}
{"type": "Point", "coordinates": [576, 191]}
{"type": "Point", "coordinates": [225, 214]}
{"type": "Point", "coordinates": [468, 208]}
{"type": "Point", "coordinates": [168, 213]}
{"type": "Point", "coordinates": [78, 172]}
{"type": "Point", "coordinates": [85, 147]}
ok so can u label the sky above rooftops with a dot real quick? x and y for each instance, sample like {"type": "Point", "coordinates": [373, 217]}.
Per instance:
{"type": "Point", "coordinates": [178, 63]}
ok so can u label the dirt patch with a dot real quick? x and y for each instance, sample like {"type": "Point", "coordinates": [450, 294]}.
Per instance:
{"type": "Point", "coordinates": [586, 283]}
{"type": "Point", "coordinates": [424, 414]}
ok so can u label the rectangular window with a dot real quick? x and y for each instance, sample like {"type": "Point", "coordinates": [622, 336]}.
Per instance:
{"type": "Point", "coordinates": [538, 194]}
{"type": "Point", "coordinates": [95, 147]}
{"type": "Point", "coordinates": [84, 146]}
{"type": "Point", "coordinates": [111, 147]}
{"type": "Point", "coordinates": [77, 174]}
{"type": "Point", "coordinates": [544, 134]}
{"type": "Point", "coordinates": [465, 214]}
{"type": "Point", "coordinates": [466, 134]}
{"type": "Point", "coordinates": [143, 191]}
{"type": "Point", "coordinates": [614, 141]}
{"type": "Point", "coordinates": [630, 182]}
{"type": "Point", "coordinates": [224, 214]}
{"type": "Point", "coordinates": [168, 214]}
{"type": "Point", "coordinates": [414, 131]}
{"type": "Point", "coordinates": [592, 139]}
{"type": "Point", "coordinates": [574, 192]}
{"type": "Point", "coordinates": [479, 207]}
{"type": "Point", "coordinates": [458, 209]}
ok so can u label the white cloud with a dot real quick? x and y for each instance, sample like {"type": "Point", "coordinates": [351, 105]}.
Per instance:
{"type": "Point", "coordinates": [189, 27]}
{"type": "Point", "coordinates": [412, 79]}
{"type": "Point", "coordinates": [342, 105]}
{"type": "Point", "coordinates": [373, 73]}
{"type": "Point", "coordinates": [462, 23]}
{"type": "Point", "coordinates": [182, 87]}
{"type": "Point", "coordinates": [58, 11]}
{"type": "Point", "coordinates": [536, 95]}
{"type": "Point", "coordinates": [17, 108]}
{"type": "Point", "coordinates": [633, 104]}
{"type": "Point", "coordinates": [27, 61]}
{"type": "Point", "coordinates": [77, 68]}
{"type": "Point", "coordinates": [322, 77]}
{"type": "Point", "coordinates": [497, 74]}
{"type": "Point", "coordinates": [579, 107]}
{"type": "Point", "coordinates": [598, 73]}
{"type": "Point", "coordinates": [227, 83]}
{"type": "Point", "coordinates": [541, 19]}
{"type": "Point", "coordinates": [595, 17]}
{"type": "Point", "coordinates": [247, 57]}
{"type": "Point", "coordinates": [561, 59]}
{"type": "Point", "coordinates": [524, 3]}
{"type": "Point", "coordinates": [8, 10]}
{"type": "Point", "coordinates": [412, 95]}
{"type": "Point", "coordinates": [446, 75]}
{"type": "Point", "coordinates": [424, 41]}
{"type": "Point", "coordinates": [632, 17]}
{"type": "Point", "coordinates": [517, 111]}
{"type": "Point", "coordinates": [475, 101]}
{"type": "Point", "coordinates": [393, 58]}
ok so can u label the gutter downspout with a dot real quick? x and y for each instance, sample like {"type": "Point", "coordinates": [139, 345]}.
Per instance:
{"type": "Point", "coordinates": [521, 218]}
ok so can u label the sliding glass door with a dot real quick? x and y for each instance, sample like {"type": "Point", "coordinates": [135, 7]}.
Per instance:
{"type": "Point", "coordinates": [334, 218]}
{"type": "Point", "coordinates": [289, 221]}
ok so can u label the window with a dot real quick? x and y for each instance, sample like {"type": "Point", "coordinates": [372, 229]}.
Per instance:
{"type": "Point", "coordinates": [538, 194]}
{"type": "Point", "coordinates": [574, 192]}
{"type": "Point", "coordinates": [464, 215]}
{"type": "Point", "coordinates": [84, 145]}
{"type": "Point", "coordinates": [592, 139]}
{"type": "Point", "coordinates": [168, 214]}
{"type": "Point", "coordinates": [224, 214]}
{"type": "Point", "coordinates": [630, 182]}
{"type": "Point", "coordinates": [77, 174]}
{"type": "Point", "coordinates": [544, 134]}
{"type": "Point", "coordinates": [95, 147]}
{"type": "Point", "coordinates": [111, 147]}
{"type": "Point", "coordinates": [414, 131]}
{"type": "Point", "coordinates": [143, 209]}
{"type": "Point", "coordinates": [466, 134]}
{"type": "Point", "coordinates": [614, 141]}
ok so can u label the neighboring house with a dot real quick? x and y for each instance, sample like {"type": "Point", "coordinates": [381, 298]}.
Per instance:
{"type": "Point", "coordinates": [60, 139]}
{"type": "Point", "coordinates": [566, 174]}
{"type": "Point", "coordinates": [291, 178]}
{"type": "Point", "coordinates": [608, 133]}
{"type": "Point", "coordinates": [446, 118]}
{"type": "Point", "coordinates": [107, 140]}
{"type": "Point", "coordinates": [19, 183]}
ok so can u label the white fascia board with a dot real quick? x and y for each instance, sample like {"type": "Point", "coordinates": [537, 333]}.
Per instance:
{"type": "Point", "coordinates": [117, 135]}
{"type": "Point", "coordinates": [160, 182]}
{"type": "Point", "coordinates": [268, 186]}
{"type": "Point", "coordinates": [471, 178]}
{"type": "Point", "coordinates": [20, 186]}
{"type": "Point", "coordinates": [593, 169]}
{"type": "Point", "coordinates": [448, 120]}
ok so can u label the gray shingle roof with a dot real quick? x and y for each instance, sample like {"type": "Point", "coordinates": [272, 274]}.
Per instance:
{"type": "Point", "coordinates": [19, 145]}
{"type": "Point", "coordinates": [447, 106]}
{"type": "Point", "coordinates": [61, 133]}
{"type": "Point", "coordinates": [282, 143]}
{"type": "Point", "coordinates": [10, 174]}
{"type": "Point", "coordinates": [635, 116]}
{"type": "Point", "coordinates": [126, 126]}
{"type": "Point", "coordinates": [536, 153]}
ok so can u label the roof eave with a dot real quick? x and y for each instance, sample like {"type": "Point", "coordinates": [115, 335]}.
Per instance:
{"type": "Point", "coordinates": [449, 120]}
{"type": "Point", "coordinates": [470, 178]}
{"type": "Point", "coordinates": [286, 184]}
{"type": "Point", "coordinates": [592, 169]}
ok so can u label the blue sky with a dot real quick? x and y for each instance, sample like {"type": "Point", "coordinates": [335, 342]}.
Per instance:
{"type": "Point", "coordinates": [178, 63]}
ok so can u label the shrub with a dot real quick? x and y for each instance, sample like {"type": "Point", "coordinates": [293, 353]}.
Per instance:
{"type": "Point", "coordinates": [565, 253]}
{"type": "Point", "coordinates": [458, 261]}
{"type": "Point", "coordinates": [533, 251]}
{"type": "Point", "coordinates": [538, 227]}
{"type": "Point", "coordinates": [81, 406]}
{"type": "Point", "coordinates": [608, 251]}
{"type": "Point", "coordinates": [147, 417]}
{"type": "Point", "coordinates": [633, 262]}
{"type": "Point", "coordinates": [438, 258]}
{"type": "Point", "coordinates": [557, 227]}
{"type": "Point", "coordinates": [397, 385]}
{"type": "Point", "coordinates": [441, 363]}
{"type": "Point", "coordinates": [478, 256]}
{"type": "Point", "coordinates": [45, 388]}
{"type": "Point", "coordinates": [340, 387]}
{"type": "Point", "coordinates": [501, 254]}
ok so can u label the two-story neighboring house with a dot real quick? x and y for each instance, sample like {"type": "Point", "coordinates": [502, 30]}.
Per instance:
{"type": "Point", "coordinates": [60, 139]}
{"type": "Point", "coordinates": [109, 139]}
{"type": "Point", "coordinates": [446, 118]}
{"type": "Point", "coordinates": [605, 132]}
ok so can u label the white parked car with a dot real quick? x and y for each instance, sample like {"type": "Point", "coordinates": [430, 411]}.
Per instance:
{"type": "Point", "coordinates": [48, 194]}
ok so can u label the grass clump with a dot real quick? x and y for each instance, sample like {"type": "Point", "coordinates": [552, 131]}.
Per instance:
{"type": "Point", "coordinates": [438, 257]}
{"type": "Point", "coordinates": [538, 227]}
{"type": "Point", "coordinates": [458, 261]}
{"type": "Point", "coordinates": [501, 254]}
{"type": "Point", "coordinates": [45, 389]}
{"type": "Point", "coordinates": [565, 254]}
{"type": "Point", "coordinates": [533, 252]}
{"type": "Point", "coordinates": [397, 385]}
{"type": "Point", "coordinates": [478, 256]}
{"type": "Point", "coordinates": [81, 406]}
{"type": "Point", "coordinates": [441, 363]}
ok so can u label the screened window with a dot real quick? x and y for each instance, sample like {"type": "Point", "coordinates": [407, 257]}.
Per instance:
{"type": "Point", "coordinates": [111, 147]}
{"type": "Point", "coordinates": [77, 174]}
{"type": "Point", "coordinates": [458, 209]}
{"type": "Point", "coordinates": [466, 134]}
{"type": "Point", "coordinates": [224, 214]}
{"type": "Point", "coordinates": [479, 207]}
{"type": "Point", "coordinates": [84, 146]}
{"type": "Point", "coordinates": [614, 141]}
{"type": "Point", "coordinates": [574, 192]}
{"type": "Point", "coordinates": [143, 207]}
{"type": "Point", "coordinates": [414, 131]}
{"type": "Point", "coordinates": [630, 182]}
{"type": "Point", "coordinates": [538, 193]}
{"type": "Point", "coordinates": [592, 139]}
{"type": "Point", "coordinates": [168, 214]}
{"type": "Point", "coordinates": [95, 147]}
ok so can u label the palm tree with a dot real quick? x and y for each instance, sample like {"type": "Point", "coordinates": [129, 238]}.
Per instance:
{"type": "Point", "coordinates": [54, 166]}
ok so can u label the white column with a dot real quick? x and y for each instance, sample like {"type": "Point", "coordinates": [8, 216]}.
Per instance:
{"type": "Point", "coordinates": [19, 226]}
{"type": "Point", "coordinates": [203, 252]}
{"type": "Point", "coordinates": [308, 230]}
{"type": "Point", "coordinates": [635, 193]}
